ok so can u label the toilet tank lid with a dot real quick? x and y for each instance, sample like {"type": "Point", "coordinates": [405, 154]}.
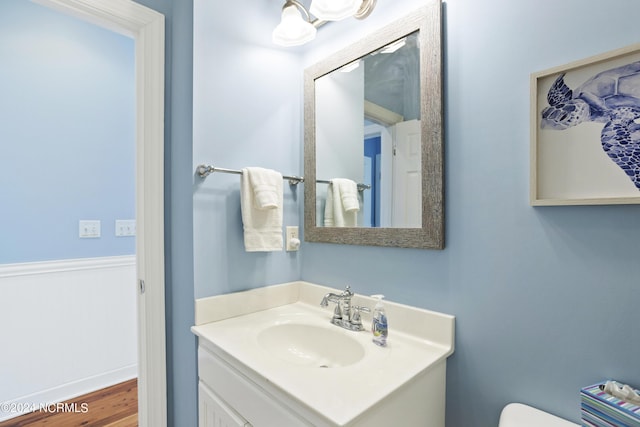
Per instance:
{"type": "Point", "coordinates": [519, 415]}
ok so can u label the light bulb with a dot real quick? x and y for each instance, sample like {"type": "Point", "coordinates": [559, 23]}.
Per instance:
{"type": "Point", "coordinates": [293, 29]}
{"type": "Point", "coordinates": [334, 10]}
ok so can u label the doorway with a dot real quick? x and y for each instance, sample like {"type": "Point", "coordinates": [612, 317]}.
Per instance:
{"type": "Point", "coordinates": [146, 27]}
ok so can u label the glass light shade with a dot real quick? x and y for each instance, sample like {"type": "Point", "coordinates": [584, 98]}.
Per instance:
{"type": "Point", "coordinates": [293, 29]}
{"type": "Point", "coordinates": [334, 10]}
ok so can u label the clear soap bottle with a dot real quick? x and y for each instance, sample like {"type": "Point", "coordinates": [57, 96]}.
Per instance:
{"type": "Point", "coordinates": [379, 326]}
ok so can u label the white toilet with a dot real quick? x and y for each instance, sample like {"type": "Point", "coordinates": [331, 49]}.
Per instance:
{"type": "Point", "coordinates": [519, 415]}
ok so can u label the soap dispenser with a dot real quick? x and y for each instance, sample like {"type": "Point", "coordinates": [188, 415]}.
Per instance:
{"type": "Point", "coordinates": [379, 326]}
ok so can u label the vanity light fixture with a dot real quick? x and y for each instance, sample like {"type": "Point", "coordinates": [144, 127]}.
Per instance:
{"type": "Point", "coordinates": [294, 29]}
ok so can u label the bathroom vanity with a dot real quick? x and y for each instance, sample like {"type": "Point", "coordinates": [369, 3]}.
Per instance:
{"type": "Point", "coordinates": [271, 356]}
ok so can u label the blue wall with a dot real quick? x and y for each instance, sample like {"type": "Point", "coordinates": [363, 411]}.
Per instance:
{"type": "Point", "coordinates": [546, 299]}
{"type": "Point", "coordinates": [246, 113]}
{"type": "Point", "coordinates": [68, 135]}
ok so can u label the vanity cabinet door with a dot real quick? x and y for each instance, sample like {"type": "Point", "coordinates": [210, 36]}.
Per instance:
{"type": "Point", "coordinates": [213, 412]}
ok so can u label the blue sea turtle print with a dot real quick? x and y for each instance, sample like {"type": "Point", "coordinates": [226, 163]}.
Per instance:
{"type": "Point", "coordinates": [611, 97]}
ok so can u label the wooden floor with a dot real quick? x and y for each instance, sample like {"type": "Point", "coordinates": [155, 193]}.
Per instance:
{"type": "Point", "coordinates": [115, 406]}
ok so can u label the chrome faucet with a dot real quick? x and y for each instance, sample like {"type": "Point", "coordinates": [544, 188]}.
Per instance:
{"type": "Point", "coordinates": [345, 314]}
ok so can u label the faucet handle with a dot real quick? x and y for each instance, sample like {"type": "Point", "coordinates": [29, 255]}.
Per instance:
{"type": "Point", "coordinates": [347, 292]}
{"type": "Point", "coordinates": [358, 309]}
{"type": "Point", "coordinates": [356, 320]}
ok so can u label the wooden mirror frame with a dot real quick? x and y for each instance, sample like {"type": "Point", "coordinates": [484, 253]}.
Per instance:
{"type": "Point", "coordinates": [428, 22]}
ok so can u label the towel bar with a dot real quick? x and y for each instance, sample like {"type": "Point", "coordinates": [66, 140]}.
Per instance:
{"type": "Point", "coordinates": [205, 170]}
{"type": "Point", "coordinates": [361, 187]}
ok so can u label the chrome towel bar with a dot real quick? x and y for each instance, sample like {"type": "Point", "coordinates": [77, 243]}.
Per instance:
{"type": "Point", "coordinates": [205, 170]}
{"type": "Point", "coordinates": [361, 187]}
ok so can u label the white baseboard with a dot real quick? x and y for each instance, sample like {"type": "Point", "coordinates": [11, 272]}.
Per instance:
{"type": "Point", "coordinates": [67, 391]}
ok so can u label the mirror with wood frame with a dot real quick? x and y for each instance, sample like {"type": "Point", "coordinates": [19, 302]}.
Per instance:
{"type": "Point", "coordinates": [373, 138]}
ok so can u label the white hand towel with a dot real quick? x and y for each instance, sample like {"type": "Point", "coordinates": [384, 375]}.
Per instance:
{"type": "Point", "coordinates": [261, 201]}
{"type": "Point", "coordinates": [328, 208]}
{"type": "Point", "coordinates": [348, 194]}
{"type": "Point", "coordinates": [342, 206]}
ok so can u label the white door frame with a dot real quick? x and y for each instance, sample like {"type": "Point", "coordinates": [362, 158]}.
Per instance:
{"type": "Point", "coordinates": [146, 26]}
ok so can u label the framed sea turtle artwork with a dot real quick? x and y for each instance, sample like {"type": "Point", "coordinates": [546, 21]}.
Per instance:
{"type": "Point", "coordinates": [585, 131]}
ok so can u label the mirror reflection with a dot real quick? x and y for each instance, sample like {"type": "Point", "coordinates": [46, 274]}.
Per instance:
{"type": "Point", "coordinates": [368, 140]}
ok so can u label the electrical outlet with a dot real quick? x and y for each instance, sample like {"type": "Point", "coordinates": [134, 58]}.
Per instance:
{"type": "Point", "coordinates": [293, 241]}
{"type": "Point", "coordinates": [89, 229]}
{"type": "Point", "coordinates": [125, 227]}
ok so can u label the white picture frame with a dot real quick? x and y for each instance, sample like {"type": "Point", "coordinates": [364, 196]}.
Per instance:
{"type": "Point", "coordinates": [573, 160]}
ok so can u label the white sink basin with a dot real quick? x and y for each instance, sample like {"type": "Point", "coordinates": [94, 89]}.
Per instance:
{"type": "Point", "coordinates": [310, 345]}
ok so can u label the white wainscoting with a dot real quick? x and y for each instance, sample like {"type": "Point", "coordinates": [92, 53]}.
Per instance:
{"type": "Point", "coordinates": [66, 328]}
